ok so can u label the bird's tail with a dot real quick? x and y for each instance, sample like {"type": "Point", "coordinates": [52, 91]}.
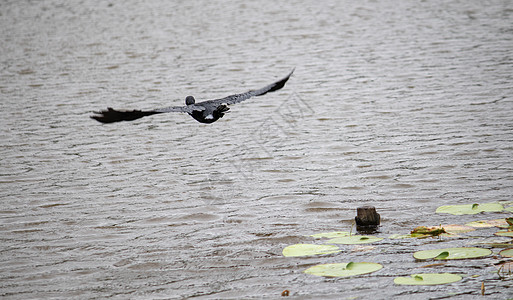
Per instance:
{"type": "Point", "coordinates": [111, 115]}
{"type": "Point", "coordinates": [222, 108]}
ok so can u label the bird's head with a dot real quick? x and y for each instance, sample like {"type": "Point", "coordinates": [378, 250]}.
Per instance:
{"type": "Point", "coordinates": [189, 100]}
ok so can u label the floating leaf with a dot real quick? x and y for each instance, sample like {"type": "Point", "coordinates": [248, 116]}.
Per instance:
{"type": "Point", "coordinates": [453, 253]}
{"type": "Point", "coordinates": [454, 228]}
{"type": "Point", "coordinates": [507, 252]}
{"type": "Point", "coordinates": [470, 209]}
{"type": "Point", "coordinates": [499, 245]}
{"type": "Point", "coordinates": [330, 235]}
{"type": "Point", "coordinates": [423, 230]}
{"type": "Point", "coordinates": [495, 242]}
{"type": "Point", "coordinates": [504, 233]}
{"type": "Point", "coordinates": [428, 279]}
{"type": "Point", "coordinates": [354, 239]}
{"type": "Point", "coordinates": [488, 223]}
{"type": "Point", "coordinates": [509, 208]}
{"type": "Point", "coordinates": [309, 249]}
{"type": "Point", "coordinates": [450, 230]}
{"type": "Point", "coordinates": [343, 269]}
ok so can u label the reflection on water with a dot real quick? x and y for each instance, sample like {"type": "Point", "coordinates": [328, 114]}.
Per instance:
{"type": "Point", "coordinates": [404, 106]}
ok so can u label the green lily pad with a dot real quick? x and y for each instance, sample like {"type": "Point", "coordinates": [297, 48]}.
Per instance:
{"type": "Point", "coordinates": [509, 208]}
{"type": "Point", "coordinates": [507, 252]}
{"type": "Point", "coordinates": [470, 209]}
{"type": "Point", "coordinates": [330, 235]}
{"type": "Point", "coordinates": [452, 253]}
{"type": "Point", "coordinates": [489, 223]}
{"type": "Point", "coordinates": [343, 269]}
{"type": "Point", "coordinates": [354, 239]}
{"type": "Point", "coordinates": [504, 233]}
{"type": "Point", "coordinates": [428, 279]}
{"type": "Point", "coordinates": [309, 249]}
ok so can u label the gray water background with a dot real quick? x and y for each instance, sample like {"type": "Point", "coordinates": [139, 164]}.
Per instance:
{"type": "Point", "coordinates": [404, 105]}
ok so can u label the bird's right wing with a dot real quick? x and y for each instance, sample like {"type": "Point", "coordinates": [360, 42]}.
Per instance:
{"type": "Point", "coordinates": [111, 115]}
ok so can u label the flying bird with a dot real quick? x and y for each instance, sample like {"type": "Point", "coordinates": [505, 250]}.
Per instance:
{"type": "Point", "coordinates": [204, 112]}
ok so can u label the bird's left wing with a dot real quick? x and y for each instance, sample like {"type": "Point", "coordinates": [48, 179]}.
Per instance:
{"type": "Point", "coordinates": [232, 99]}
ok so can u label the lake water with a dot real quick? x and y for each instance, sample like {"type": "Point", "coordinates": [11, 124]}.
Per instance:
{"type": "Point", "coordinates": [403, 105]}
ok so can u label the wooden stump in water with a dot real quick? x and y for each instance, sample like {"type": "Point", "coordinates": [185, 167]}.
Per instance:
{"type": "Point", "coordinates": [367, 216]}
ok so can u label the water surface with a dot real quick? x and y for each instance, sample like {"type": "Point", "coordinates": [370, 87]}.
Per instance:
{"type": "Point", "coordinates": [405, 106]}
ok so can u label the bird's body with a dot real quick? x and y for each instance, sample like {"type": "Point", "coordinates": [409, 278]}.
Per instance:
{"type": "Point", "coordinates": [204, 112]}
{"type": "Point", "coordinates": [209, 116]}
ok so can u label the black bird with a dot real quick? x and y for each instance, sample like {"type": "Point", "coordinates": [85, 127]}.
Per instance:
{"type": "Point", "coordinates": [205, 112]}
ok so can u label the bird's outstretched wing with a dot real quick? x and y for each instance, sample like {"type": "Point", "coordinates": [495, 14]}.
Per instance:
{"type": "Point", "coordinates": [232, 99]}
{"type": "Point", "coordinates": [111, 115]}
